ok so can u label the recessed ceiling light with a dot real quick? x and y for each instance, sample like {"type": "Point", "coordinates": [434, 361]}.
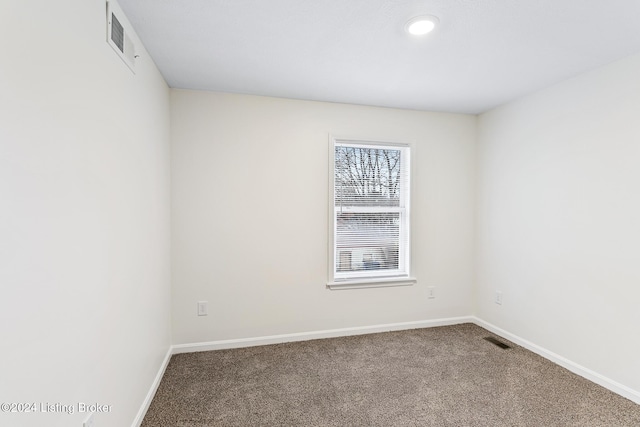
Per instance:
{"type": "Point", "coordinates": [421, 25]}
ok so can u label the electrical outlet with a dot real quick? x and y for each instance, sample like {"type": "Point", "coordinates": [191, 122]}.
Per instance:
{"type": "Point", "coordinates": [202, 308]}
{"type": "Point", "coordinates": [88, 422]}
{"type": "Point", "coordinates": [431, 292]}
{"type": "Point", "coordinates": [498, 298]}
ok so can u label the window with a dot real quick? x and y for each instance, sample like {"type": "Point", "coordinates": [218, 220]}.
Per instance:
{"type": "Point", "coordinates": [370, 213]}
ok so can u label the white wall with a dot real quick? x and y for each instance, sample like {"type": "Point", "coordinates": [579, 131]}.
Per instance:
{"type": "Point", "coordinates": [250, 215]}
{"type": "Point", "coordinates": [559, 219]}
{"type": "Point", "coordinates": [84, 216]}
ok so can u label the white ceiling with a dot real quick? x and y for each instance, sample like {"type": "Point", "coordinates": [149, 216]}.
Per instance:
{"type": "Point", "coordinates": [484, 52]}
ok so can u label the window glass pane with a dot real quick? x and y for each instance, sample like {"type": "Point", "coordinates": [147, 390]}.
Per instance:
{"type": "Point", "coordinates": [367, 241]}
{"type": "Point", "coordinates": [367, 176]}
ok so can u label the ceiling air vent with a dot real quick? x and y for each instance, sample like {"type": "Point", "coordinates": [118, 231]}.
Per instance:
{"type": "Point", "coordinates": [119, 35]}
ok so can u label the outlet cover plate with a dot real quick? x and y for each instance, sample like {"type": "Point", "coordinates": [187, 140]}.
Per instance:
{"type": "Point", "coordinates": [498, 298]}
{"type": "Point", "coordinates": [88, 422]}
{"type": "Point", "coordinates": [202, 308]}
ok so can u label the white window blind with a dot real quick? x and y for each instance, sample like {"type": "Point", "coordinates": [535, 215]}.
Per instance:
{"type": "Point", "coordinates": [370, 210]}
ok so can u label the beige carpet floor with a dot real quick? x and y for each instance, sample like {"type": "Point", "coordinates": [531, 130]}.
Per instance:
{"type": "Point", "coordinates": [446, 376]}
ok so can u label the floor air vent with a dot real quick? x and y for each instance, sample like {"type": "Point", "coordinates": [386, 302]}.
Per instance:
{"type": "Point", "coordinates": [500, 344]}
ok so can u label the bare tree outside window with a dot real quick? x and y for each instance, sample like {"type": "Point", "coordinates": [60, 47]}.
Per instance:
{"type": "Point", "coordinates": [367, 176]}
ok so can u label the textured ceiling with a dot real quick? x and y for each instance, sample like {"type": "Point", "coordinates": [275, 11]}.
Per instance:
{"type": "Point", "coordinates": [484, 52]}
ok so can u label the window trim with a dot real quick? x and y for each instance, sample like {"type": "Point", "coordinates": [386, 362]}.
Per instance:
{"type": "Point", "coordinates": [379, 282]}
{"type": "Point", "coordinates": [374, 279]}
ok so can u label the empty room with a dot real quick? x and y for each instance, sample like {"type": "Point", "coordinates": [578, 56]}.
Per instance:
{"type": "Point", "coordinates": [319, 213]}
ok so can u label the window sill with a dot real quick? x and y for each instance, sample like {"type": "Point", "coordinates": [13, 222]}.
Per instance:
{"type": "Point", "coordinates": [383, 282]}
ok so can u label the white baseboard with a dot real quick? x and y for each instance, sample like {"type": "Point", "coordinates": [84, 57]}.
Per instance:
{"type": "Point", "coordinates": [592, 376]}
{"type": "Point", "coordinates": [305, 336]}
{"type": "Point", "coordinates": [152, 391]}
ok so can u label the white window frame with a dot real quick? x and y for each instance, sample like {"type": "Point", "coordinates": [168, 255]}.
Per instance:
{"type": "Point", "coordinates": [375, 278]}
